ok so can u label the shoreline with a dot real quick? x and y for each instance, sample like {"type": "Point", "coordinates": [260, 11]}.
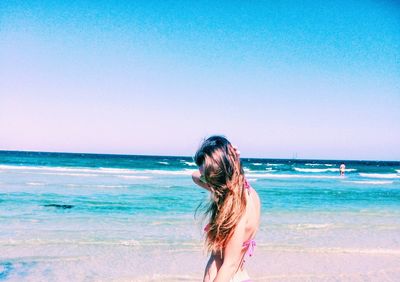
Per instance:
{"type": "Point", "coordinates": [125, 263]}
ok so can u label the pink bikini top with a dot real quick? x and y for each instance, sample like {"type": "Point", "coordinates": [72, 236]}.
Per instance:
{"type": "Point", "coordinates": [251, 243]}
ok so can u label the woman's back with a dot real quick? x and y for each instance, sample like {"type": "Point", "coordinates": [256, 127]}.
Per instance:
{"type": "Point", "coordinates": [253, 210]}
{"type": "Point", "coordinates": [252, 219]}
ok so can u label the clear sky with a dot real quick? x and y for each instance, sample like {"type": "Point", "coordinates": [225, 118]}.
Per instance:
{"type": "Point", "coordinates": [278, 78]}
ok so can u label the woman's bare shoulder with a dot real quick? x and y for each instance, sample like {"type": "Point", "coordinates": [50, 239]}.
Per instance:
{"type": "Point", "coordinates": [253, 211]}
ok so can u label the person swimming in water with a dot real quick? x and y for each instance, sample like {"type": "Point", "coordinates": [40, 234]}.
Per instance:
{"type": "Point", "coordinates": [342, 169]}
{"type": "Point", "coordinates": [233, 211]}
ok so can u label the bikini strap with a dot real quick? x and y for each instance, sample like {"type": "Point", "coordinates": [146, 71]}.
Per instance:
{"type": "Point", "coordinates": [250, 245]}
{"type": "Point", "coordinates": [247, 185]}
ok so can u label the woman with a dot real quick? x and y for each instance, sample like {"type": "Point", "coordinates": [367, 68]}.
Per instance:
{"type": "Point", "coordinates": [233, 211]}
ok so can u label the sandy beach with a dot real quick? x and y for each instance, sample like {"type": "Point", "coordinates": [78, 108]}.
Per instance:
{"type": "Point", "coordinates": [147, 264]}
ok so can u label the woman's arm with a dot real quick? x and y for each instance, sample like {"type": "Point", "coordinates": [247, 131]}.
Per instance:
{"type": "Point", "coordinates": [196, 179]}
{"type": "Point", "coordinates": [213, 265]}
{"type": "Point", "coordinates": [233, 253]}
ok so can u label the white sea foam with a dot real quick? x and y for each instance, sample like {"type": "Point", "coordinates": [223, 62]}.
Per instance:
{"type": "Point", "coordinates": [66, 171]}
{"type": "Point", "coordinates": [116, 170]}
{"type": "Point", "coordinates": [398, 170]}
{"type": "Point", "coordinates": [96, 186]}
{"type": "Point", "coordinates": [111, 186]}
{"type": "Point", "coordinates": [257, 164]}
{"type": "Point", "coordinates": [371, 251]}
{"type": "Point", "coordinates": [252, 179]}
{"type": "Point", "coordinates": [160, 277]}
{"type": "Point", "coordinates": [373, 182]}
{"type": "Point", "coordinates": [129, 243]}
{"type": "Point", "coordinates": [307, 226]}
{"type": "Point", "coordinates": [322, 169]}
{"type": "Point", "coordinates": [70, 169]}
{"type": "Point", "coordinates": [380, 175]}
{"type": "Point", "coordinates": [46, 168]}
{"type": "Point", "coordinates": [134, 176]}
{"type": "Point", "coordinates": [69, 174]}
{"type": "Point", "coordinates": [39, 242]}
{"type": "Point", "coordinates": [168, 172]}
{"type": "Point", "coordinates": [274, 164]}
{"type": "Point", "coordinates": [35, 183]}
{"type": "Point", "coordinates": [316, 169]}
{"type": "Point", "coordinates": [273, 175]}
{"type": "Point", "coordinates": [189, 163]}
{"type": "Point", "coordinates": [311, 164]}
{"type": "Point", "coordinates": [60, 171]}
{"type": "Point", "coordinates": [152, 171]}
{"type": "Point", "coordinates": [164, 163]}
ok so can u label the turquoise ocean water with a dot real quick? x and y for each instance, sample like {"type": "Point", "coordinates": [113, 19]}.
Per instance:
{"type": "Point", "coordinates": [90, 216]}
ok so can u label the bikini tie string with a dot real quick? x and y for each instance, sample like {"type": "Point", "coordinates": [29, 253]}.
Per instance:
{"type": "Point", "coordinates": [250, 245]}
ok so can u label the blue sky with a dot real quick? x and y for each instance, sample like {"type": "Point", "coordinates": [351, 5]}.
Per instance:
{"type": "Point", "coordinates": [278, 78]}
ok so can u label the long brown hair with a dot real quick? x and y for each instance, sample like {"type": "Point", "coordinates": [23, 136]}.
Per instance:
{"type": "Point", "coordinates": [224, 173]}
